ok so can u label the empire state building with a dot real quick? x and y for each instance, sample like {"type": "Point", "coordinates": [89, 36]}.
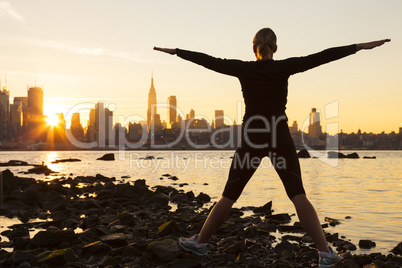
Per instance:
{"type": "Point", "coordinates": [151, 112]}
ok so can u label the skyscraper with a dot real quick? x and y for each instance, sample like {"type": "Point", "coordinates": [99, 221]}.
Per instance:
{"type": "Point", "coordinates": [76, 128]}
{"type": "Point", "coordinates": [314, 128]}
{"type": "Point", "coordinates": [35, 111]}
{"type": "Point", "coordinates": [171, 116]}
{"type": "Point", "coordinates": [219, 121]}
{"type": "Point", "coordinates": [15, 129]}
{"type": "Point", "coordinates": [4, 112]}
{"type": "Point", "coordinates": [151, 112]}
{"type": "Point", "coordinates": [103, 125]}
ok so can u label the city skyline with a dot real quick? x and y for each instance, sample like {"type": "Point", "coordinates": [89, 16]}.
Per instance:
{"type": "Point", "coordinates": [114, 62]}
{"type": "Point", "coordinates": [23, 125]}
{"type": "Point", "coordinates": [85, 118]}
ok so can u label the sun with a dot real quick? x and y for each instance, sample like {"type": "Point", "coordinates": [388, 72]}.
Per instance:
{"type": "Point", "coordinates": [52, 120]}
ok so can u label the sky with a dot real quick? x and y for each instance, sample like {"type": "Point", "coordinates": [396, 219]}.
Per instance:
{"type": "Point", "coordinates": [82, 52]}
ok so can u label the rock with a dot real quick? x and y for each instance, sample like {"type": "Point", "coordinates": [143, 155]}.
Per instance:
{"type": "Point", "coordinates": [266, 209]}
{"type": "Point", "coordinates": [126, 219]}
{"type": "Point", "coordinates": [346, 263]}
{"type": "Point", "coordinates": [285, 246]}
{"type": "Point", "coordinates": [235, 247]}
{"type": "Point", "coordinates": [336, 155]}
{"type": "Point", "coordinates": [352, 155]}
{"type": "Point", "coordinates": [332, 221]}
{"type": "Point", "coordinates": [366, 244]}
{"type": "Point", "coordinates": [166, 250]}
{"type": "Point", "coordinates": [341, 155]}
{"type": "Point", "coordinates": [96, 248]}
{"type": "Point", "coordinates": [20, 256]}
{"type": "Point", "coordinates": [203, 198]}
{"type": "Point", "coordinates": [185, 263]}
{"type": "Point", "coordinates": [109, 261]}
{"type": "Point", "coordinates": [107, 157]}
{"type": "Point", "coordinates": [167, 228]}
{"type": "Point", "coordinates": [140, 182]}
{"type": "Point", "coordinates": [66, 160]}
{"type": "Point", "coordinates": [16, 233]}
{"type": "Point", "coordinates": [369, 157]}
{"type": "Point", "coordinates": [282, 217]}
{"type": "Point", "coordinates": [303, 154]}
{"type": "Point", "coordinates": [14, 163]}
{"type": "Point", "coordinates": [58, 257]}
{"type": "Point", "coordinates": [361, 259]}
{"type": "Point", "coordinates": [158, 199]}
{"type": "Point", "coordinates": [173, 178]}
{"type": "Point", "coordinates": [41, 170]}
{"type": "Point", "coordinates": [115, 240]}
{"type": "Point", "coordinates": [397, 249]}
{"type": "Point", "coordinates": [180, 198]}
{"type": "Point", "coordinates": [52, 238]}
{"type": "Point", "coordinates": [24, 264]}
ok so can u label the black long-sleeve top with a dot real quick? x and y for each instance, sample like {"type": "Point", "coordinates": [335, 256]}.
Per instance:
{"type": "Point", "coordinates": [264, 83]}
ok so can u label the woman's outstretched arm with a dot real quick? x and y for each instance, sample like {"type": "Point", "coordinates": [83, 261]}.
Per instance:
{"type": "Point", "coordinates": [224, 66]}
{"type": "Point", "coordinates": [300, 64]}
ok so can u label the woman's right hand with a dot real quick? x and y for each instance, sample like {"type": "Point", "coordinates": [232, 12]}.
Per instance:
{"type": "Point", "coordinates": [171, 51]}
{"type": "Point", "coordinates": [370, 45]}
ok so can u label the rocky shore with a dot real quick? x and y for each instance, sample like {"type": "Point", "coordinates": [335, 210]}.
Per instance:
{"type": "Point", "coordinates": [99, 222]}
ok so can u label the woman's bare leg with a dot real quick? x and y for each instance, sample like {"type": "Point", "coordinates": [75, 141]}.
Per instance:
{"type": "Point", "coordinates": [215, 219]}
{"type": "Point", "coordinates": [310, 222]}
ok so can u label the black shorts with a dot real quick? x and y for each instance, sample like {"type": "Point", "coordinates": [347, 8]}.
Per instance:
{"type": "Point", "coordinates": [264, 135]}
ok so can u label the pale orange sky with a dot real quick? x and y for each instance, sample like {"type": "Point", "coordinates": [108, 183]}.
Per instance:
{"type": "Point", "coordinates": [88, 51]}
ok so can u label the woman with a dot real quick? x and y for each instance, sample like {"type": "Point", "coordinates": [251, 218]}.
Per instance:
{"type": "Point", "coordinates": [265, 131]}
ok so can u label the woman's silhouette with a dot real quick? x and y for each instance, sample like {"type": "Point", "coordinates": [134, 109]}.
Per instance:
{"type": "Point", "coordinates": [265, 131]}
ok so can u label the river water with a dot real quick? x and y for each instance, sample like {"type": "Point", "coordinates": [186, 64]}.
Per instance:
{"type": "Point", "coordinates": [367, 190]}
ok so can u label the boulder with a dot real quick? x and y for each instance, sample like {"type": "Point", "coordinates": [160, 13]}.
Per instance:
{"type": "Point", "coordinates": [96, 248]}
{"type": "Point", "coordinates": [41, 170]}
{"type": "Point", "coordinates": [107, 157]}
{"type": "Point", "coordinates": [366, 244]}
{"type": "Point", "coordinates": [52, 238]}
{"type": "Point", "coordinates": [167, 228]}
{"type": "Point", "coordinates": [336, 155]}
{"type": "Point", "coordinates": [59, 257]}
{"type": "Point", "coordinates": [346, 263]}
{"type": "Point", "coordinates": [185, 263]}
{"type": "Point", "coordinates": [203, 198]}
{"type": "Point", "coordinates": [65, 160]}
{"type": "Point", "coordinates": [13, 163]}
{"type": "Point", "coordinates": [282, 217]}
{"type": "Point", "coordinates": [332, 221]}
{"type": "Point", "coordinates": [361, 260]}
{"type": "Point", "coordinates": [180, 198]}
{"type": "Point", "coordinates": [21, 256]}
{"type": "Point", "coordinates": [165, 250]}
{"type": "Point", "coordinates": [397, 249]}
{"type": "Point", "coordinates": [115, 240]}
{"type": "Point", "coordinates": [352, 155]}
{"type": "Point", "coordinates": [303, 154]}
{"type": "Point", "coordinates": [266, 209]}
{"type": "Point", "coordinates": [109, 261]}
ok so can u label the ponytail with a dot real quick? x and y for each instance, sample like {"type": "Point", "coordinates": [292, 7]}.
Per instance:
{"type": "Point", "coordinates": [265, 43]}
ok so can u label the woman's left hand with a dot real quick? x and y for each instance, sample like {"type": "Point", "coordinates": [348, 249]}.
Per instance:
{"type": "Point", "coordinates": [171, 51]}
